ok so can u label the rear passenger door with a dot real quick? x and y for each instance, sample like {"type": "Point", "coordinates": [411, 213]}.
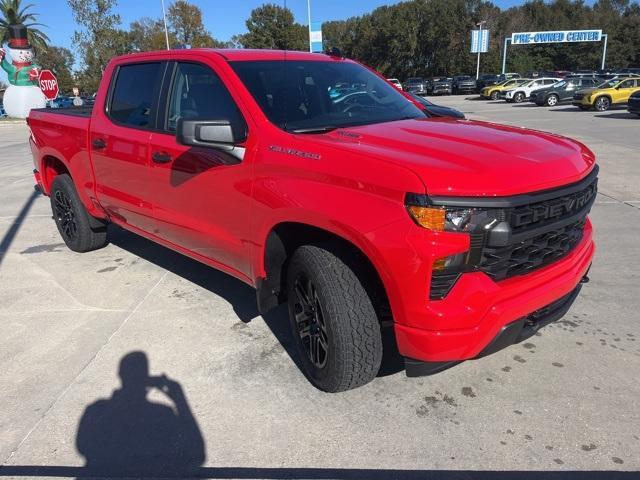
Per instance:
{"type": "Point", "coordinates": [573, 84]}
{"type": "Point", "coordinates": [201, 195]}
{"type": "Point", "coordinates": [119, 142]}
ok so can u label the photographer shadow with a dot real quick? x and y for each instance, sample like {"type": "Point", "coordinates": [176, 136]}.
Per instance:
{"type": "Point", "coordinates": [128, 435]}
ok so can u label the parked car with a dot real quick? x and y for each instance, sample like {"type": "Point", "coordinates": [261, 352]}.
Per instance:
{"type": "Point", "coordinates": [522, 92]}
{"type": "Point", "coordinates": [634, 103]}
{"type": "Point", "coordinates": [61, 102]}
{"type": "Point", "coordinates": [439, 85]}
{"type": "Point", "coordinates": [415, 85]}
{"type": "Point", "coordinates": [487, 80]}
{"type": "Point", "coordinates": [614, 92]}
{"type": "Point", "coordinates": [2, 112]}
{"type": "Point", "coordinates": [463, 84]}
{"type": "Point", "coordinates": [562, 91]}
{"type": "Point", "coordinates": [434, 110]}
{"type": "Point", "coordinates": [493, 92]}
{"type": "Point", "coordinates": [396, 83]}
{"type": "Point", "coordinates": [586, 73]}
{"type": "Point", "coordinates": [509, 76]}
{"type": "Point", "coordinates": [363, 217]}
{"type": "Point", "coordinates": [631, 70]}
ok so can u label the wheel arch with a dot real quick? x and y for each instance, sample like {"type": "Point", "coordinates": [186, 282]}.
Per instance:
{"type": "Point", "coordinates": [52, 166]}
{"type": "Point", "coordinates": [284, 238]}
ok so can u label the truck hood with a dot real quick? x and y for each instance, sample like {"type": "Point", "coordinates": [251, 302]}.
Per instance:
{"type": "Point", "coordinates": [469, 158]}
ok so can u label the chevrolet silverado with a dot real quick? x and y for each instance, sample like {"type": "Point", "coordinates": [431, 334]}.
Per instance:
{"type": "Point", "coordinates": [362, 214]}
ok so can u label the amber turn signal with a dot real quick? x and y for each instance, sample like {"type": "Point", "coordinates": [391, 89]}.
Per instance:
{"type": "Point", "coordinates": [428, 217]}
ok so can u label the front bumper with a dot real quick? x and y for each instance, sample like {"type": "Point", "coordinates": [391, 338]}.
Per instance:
{"type": "Point", "coordinates": [477, 308]}
{"type": "Point", "coordinates": [510, 334]}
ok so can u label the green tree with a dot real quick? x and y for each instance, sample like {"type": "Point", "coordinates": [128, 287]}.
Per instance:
{"type": "Point", "coordinates": [13, 12]}
{"type": "Point", "coordinates": [185, 23]}
{"type": "Point", "coordinates": [60, 61]}
{"type": "Point", "coordinates": [272, 26]}
{"type": "Point", "coordinates": [98, 40]}
{"type": "Point", "coordinates": [147, 34]}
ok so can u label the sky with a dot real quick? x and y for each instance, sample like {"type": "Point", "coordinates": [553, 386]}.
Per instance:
{"type": "Point", "coordinates": [223, 18]}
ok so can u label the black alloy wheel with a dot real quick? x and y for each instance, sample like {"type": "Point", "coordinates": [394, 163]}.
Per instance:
{"type": "Point", "coordinates": [80, 231]}
{"type": "Point", "coordinates": [65, 215]}
{"type": "Point", "coordinates": [310, 321]}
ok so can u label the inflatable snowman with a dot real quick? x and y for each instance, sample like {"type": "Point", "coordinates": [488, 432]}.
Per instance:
{"type": "Point", "coordinates": [23, 92]}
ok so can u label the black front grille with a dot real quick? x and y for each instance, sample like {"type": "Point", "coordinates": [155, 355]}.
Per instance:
{"type": "Point", "coordinates": [524, 233]}
{"type": "Point", "coordinates": [533, 253]}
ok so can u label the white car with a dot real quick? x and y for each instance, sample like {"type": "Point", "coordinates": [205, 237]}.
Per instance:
{"type": "Point", "coordinates": [396, 83]}
{"type": "Point", "coordinates": [521, 93]}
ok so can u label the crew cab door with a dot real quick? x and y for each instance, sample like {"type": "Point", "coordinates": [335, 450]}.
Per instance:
{"type": "Point", "coordinates": [201, 194]}
{"type": "Point", "coordinates": [119, 142]}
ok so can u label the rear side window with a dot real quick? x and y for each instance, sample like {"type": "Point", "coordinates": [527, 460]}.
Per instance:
{"type": "Point", "coordinates": [133, 94]}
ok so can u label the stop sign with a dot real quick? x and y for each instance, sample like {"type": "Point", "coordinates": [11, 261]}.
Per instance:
{"type": "Point", "coordinates": [48, 84]}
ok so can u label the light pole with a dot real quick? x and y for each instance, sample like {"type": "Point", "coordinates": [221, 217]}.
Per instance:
{"type": "Point", "coordinates": [479, 24]}
{"type": "Point", "coordinates": [164, 19]}
{"type": "Point", "coordinates": [309, 17]}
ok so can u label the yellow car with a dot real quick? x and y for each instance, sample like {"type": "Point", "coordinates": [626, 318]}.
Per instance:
{"type": "Point", "coordinates": [493, 91]}
{"type": "Point", "coordinates": [615, 91]}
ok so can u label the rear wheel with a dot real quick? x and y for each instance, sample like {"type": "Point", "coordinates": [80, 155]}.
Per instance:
{"type": "Point", "coordinates": [552, 100]}
{"type": "Point", "coordinates": [495, 95]}
{"type": "Point", "coordinates": [602, 104]}
{"type": "Point", "coordinates": [80, 231]}
{"type": "Point", "coordinates": [333, 320]}
{"type": "Point", "coordinates": [518, 97]}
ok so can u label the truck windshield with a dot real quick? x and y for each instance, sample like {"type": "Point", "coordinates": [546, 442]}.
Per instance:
{"type": "Point", "coordinates": [318, 96]}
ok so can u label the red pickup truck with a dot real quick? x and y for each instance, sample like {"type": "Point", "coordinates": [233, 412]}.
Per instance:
{"type": "Point", "coordinates": [310, 178]}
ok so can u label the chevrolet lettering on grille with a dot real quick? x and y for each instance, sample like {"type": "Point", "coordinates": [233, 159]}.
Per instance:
{"type": "Point", "coordinates": [559, 208]}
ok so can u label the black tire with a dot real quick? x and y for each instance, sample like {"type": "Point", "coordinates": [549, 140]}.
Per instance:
{"type": "Point", "coordinates": [552, 100]}
{"type": "Point", "coordinates": [602, 104]}
{"type": "Point", "coordinates": [333, 321]}
{"type": "Point", "coordinates": [495, 95]}
{"type": "Point", "coordinates": [80, 231]}
{"type": "Point", "coordinates": [518, 97]}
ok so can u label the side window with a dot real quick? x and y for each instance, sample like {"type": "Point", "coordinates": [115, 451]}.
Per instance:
{"type": "Point", "coordinates": [197, 93]}
{"type": "Point", "coordinates": [133, 94]}
{"type": "Point", "coordinates": [627, 84]}
{"type": "Point", "coordinates": [549, 82]}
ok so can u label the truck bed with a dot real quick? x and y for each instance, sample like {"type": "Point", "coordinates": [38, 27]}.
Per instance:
{"type": "Point", "coordinates": [84, 111]}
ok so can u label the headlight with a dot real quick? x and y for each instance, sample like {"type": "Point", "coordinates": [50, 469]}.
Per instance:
{"type": "Point", "coordinates": [447, 219]}
{"type": "Point", "coordinates": [475, 222]}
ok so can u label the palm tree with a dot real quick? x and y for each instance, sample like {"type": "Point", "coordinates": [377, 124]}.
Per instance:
{"type": "Point", "coordinates": [12, 13]}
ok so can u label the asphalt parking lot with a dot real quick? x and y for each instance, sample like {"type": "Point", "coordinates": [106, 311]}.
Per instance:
{"type": "Point", "coordinates": [565, 401]}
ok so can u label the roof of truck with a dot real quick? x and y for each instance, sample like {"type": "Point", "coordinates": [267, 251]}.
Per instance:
{"type": "Point", "coordinates": [238, 54]}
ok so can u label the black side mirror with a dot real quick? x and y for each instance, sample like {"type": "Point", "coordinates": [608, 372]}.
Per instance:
{"type": "Point", "coordinates": [207, 133]}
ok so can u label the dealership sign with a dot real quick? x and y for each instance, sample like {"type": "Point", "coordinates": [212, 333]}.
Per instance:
{"type": "Point", "coordinates": [559, 36]}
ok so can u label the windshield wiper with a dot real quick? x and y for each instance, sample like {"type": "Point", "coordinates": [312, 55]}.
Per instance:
{"type": "Point", "coordinates": [326, 129]}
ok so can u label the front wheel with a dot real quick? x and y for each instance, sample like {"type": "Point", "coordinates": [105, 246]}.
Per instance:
{"type": "Point", "coordinates": [518, 97]}
{"type": "Point", "coordinates": [333, 320]}
{"type": "Point", "coordinates": [494, 95]}
{"type": "Point", "coordinates": [80, 231]}
{"type": "Point", "coordinates": [552, 100]}
{"type": "Point", "coordinates": [602, 104]}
